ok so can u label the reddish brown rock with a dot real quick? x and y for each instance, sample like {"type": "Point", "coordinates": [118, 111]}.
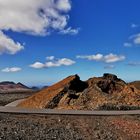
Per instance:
{"type": "Point", "coordinates": [136, 84]}
{"type": "Point", "coordinates": [51, 96]}
{"type": "Point", "coordinates": [107, 92]}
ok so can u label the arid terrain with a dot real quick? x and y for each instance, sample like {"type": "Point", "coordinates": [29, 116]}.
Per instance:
{"type": "Point", "coordinates": [63, 127]}
{"type": "Point", "coordinates": [10, 91]}
{"type": "Point", "coordinates": [136, 84]}
{"type": "Point", "coordinates": [99, 93]}
{"type": "Point", "coordinates": [6, 98]}
{"type": "Point", "coordinates": [7, 86]}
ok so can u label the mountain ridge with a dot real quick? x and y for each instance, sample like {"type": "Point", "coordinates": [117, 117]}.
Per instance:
{"type": "Point", "coordinates": [95, 93]}
{"type": "Point", "coordinates": [10, 86]}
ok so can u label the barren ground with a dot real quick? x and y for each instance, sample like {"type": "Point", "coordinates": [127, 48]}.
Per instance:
{"type": "Point", "coordinates": [63, 127]}
{"type": "Point", "coordinates": [6, 98]}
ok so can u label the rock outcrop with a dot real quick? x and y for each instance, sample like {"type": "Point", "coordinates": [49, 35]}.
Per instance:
{"type": "Point", "coordinates": [96, 93]}
{"type": "Point", "coordinates": [51, 96]}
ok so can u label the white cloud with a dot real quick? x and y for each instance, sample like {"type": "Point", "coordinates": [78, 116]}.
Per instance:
{"type": "Point", "coordinates": [97, 57]}
{"type": "Point", "coordinates": [63, 5]}
{"type": "Point", "coordinates": [66, 62]}
{"type": "Point", "coordinates": [7, 45]}
{"type": "Point", "coordinates": [50, 58]}
{"type": "Point", "coordinates": [12, 69]}
{"type": "Point", "coordinates": [34, 16]}
{"type": "Point", "coordinates": [70, 31]}
{"type": "Point", "coordinates": [126, 44]}
{"type": "Point", "coordinates": [135, 39]}
{"type": "Point", "coordinates": [110, 58]}
{"type": "Point", "coordinates": [59, 62]}
{"type": "Point", "coordinates": [109, 67]}
{"type": "Point", "coordinates": [37, 65]}
{"type": "Point", "coordinates": [52, 62]}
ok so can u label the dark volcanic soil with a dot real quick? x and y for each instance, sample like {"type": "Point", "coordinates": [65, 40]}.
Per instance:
{"type": "Point", "coordinates": [6, 98]}
{"type": "Point", "coordinates": [47, 127]}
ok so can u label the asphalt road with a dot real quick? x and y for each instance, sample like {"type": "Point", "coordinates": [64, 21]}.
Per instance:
{"type": "Point", "coordinates": [15, 103]}
{"type": "Point", "coordinates": [6, 109]}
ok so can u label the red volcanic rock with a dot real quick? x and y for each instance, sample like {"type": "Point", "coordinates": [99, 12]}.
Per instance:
{"type": "Point", "coordinates": [51, 96]}
{"type": "Point", "coordinates": [95, 93]}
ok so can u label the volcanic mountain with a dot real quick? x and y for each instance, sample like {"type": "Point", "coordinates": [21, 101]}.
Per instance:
{"type": "Point", "coordinates": [136, 84]}
{"type": "Point", "coordinates": [107, 92]}
{"type": "Point", "coordinates": [8, 86]}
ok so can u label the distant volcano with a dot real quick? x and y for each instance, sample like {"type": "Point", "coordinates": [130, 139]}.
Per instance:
{"type": "Point", "coordinates": [8, 86]}
{"type": "Point", "coordinates": [106, 92]}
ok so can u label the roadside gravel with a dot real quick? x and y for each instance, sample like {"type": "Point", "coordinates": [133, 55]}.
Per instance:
{"type": "Point", "coordinates": [63, 127]}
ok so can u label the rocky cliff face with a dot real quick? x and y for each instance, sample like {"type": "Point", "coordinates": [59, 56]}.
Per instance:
{"type": "Point", "coordinates": [95, 93]}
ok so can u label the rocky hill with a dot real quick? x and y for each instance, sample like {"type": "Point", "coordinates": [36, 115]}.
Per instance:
{"type": "Point", "coordinates": [136, 84]}
{"type": "Point", "coordinates": [107, 92]}
{"type": "Point", "coordinates": [8, 86]}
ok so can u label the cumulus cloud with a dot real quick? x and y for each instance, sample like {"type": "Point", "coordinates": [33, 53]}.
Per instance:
{"type": "Point", "coordinates": [97, 57]}
{"type": "Point", "coordinates": [34, 16]}
{"type": "Point", "coordinates": [135, 39]}
{"type": "Point", "coordinates": [50, 58]}
{"type": "Point", "coordinates": [63, 5]}
{"type": "Point", "coordinates": [37, 65]}
{"type": "Point", "coordinates": [12, 69]}
{"type": "Point", "coordinates": [70, 31]}
{"type": "Point", "coordinates": [7, 45]}
{"type": "Point", "coordinates": [52, 62]}
{"type": "Point", "coordinates": [110, 58]}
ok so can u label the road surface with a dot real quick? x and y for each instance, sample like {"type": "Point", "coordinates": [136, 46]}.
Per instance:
{"type": "Point", "coordinates": [15, 103]}
{"type": "Point", "coordinates": [4, 109]}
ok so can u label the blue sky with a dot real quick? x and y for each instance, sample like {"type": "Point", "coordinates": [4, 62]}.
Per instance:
{"type": "Point", "coordinates": [43, 42]}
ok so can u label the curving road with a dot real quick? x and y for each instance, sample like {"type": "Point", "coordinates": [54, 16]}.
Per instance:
{"type": "Point", "coordinates": [15, 103]}
{"type": "Point", "coordinates": [7, 109]}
